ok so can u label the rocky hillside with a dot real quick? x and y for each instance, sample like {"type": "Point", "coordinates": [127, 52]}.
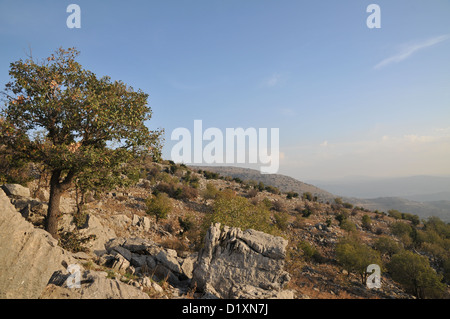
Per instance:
{"type": "Point", "coordinates": [180, 232]}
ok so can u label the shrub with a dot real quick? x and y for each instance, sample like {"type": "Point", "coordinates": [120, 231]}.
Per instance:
{"type": "Point", "coordinates": [400, 229]}
{"type": "Point", "coordinates": [186, 224]}
{"type": "Point", "coordinates": [366, 222]}
{"type": "Point", "coordinates": [210, 191]}
{"type": "Point", "coordinates": [394, 214]}
{"type": "Point", "coordinates": [416, 275]}
{"type": "Point", "coordinates": [272, 189]}
{"type": "Point", "coordinates": [252, 193]}
{"type": "Point", "coordinates": [308, 250]}
{"type": "Point", "coordinates": [281, 220]}
{"type": "Point", "coordinates": [237, 211]}
{"type": "Point", "coordinates": [290, 195]}
{"type": "Point", "coordinates": [158, 205]}
{"type": "Point", "coordinates": [348, 226]}
{"type": "Point", "coordinates": [306, 212]}
{"type": "Point", "coordinates": [278, 206]}
{"type": "Point", "coordinates": [355, 256]}
{"type": "Point", "coordinates": [307, 196]}
{"type": "Point", "coordinates": [185, 192]}
{"type": "Point", "coordinates": [387, 246]}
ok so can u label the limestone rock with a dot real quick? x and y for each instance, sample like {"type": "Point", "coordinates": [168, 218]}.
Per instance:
{"type": "Point", "coordinates": [102, 234]}
{"type": "Point", "coordinates": [93, 285]}
{"type": "Point", "coordinates": [16, 190]}
{"type": "Point", "coordinates": [247, 264]}
{"type": "Point", "coordinates": [28, 256]}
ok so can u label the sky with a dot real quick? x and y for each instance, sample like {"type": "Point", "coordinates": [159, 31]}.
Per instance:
{"type": "Point", "coordinates": [348, 100]}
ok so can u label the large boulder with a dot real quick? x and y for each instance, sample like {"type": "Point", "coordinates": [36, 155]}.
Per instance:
{"type": "Point", "coordinates": [28, 256]}
{"type": "Point", "coordinates": [241, 264]}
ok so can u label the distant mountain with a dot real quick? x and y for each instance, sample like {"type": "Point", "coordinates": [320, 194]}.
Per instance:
{"type": "Point", "coordinates": [424, 210]}
{"type": "Point", "coordinates": [282, 182]}
{"type": "Point", "coordinates": [417, 188]}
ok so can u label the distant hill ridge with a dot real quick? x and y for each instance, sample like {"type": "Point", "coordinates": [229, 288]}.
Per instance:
{"type": "Point", "coordinates": [285, 183]}
{"type": "Point", "coordinates": [282, 182]}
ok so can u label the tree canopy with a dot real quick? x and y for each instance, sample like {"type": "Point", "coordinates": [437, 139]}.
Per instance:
{"type": "Point", "coordinates": [65, 117]}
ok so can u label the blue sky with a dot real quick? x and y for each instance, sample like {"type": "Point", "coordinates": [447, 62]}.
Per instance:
{"type": "Point", "coordinates": [348, 100]}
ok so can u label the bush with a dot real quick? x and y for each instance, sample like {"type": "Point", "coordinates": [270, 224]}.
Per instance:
{"type": "Point", "coordinates": [307, 196]}
{"type": "Point", "coordinates": [354, 256]}
{"type": "Point", "coordinates": [278, 206]}
{"type": "Point", "coordinates": [281, 220]}
{"type": "Point", "coordinates": [272, 189]}
{"type": "Point", "coordinates": [186, 224]}
{"type": "Point", "coordinates": [395, 214]}
{"type": "Point", "coordinates": [185, 193]}
{"type": "Point", "coordinates": [252, 193]}
{"type": "Point", "coordinates": [416, 275]}
{"type": "Point", "coordinates": [308, 250]}
{"type": "Point", "coordinates": [290, 195]}
{"type": "Point", "coordinates": [387, 246]}
{"type": "Point", "coordinates": [400, 229]}
{"type": "Point", "coordinates": [210, 191]}
{"type": "Point", "coordinates": [158, 205]}
{"type": "Point", "coordinates": [366, 222]}
{"type": "Point", "coordinates": [348, 226]}
{"type": "Point", "coordinates": [237, 211]}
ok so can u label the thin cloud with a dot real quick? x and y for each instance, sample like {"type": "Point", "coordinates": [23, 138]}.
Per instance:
{"type": "Point", "coordinates": [272, 81]}
{"type": "Point", "coordinates": [411, 49]}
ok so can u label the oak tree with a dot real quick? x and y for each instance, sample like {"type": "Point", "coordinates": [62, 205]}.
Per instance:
{"type": "Point", "coordinates": [79, 126]}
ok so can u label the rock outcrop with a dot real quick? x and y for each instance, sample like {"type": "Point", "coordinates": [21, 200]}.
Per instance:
{"type": "Point", "coordinates": [28, 256]}
{"type": "Point", "coordinates": [93, 285]}
{"type": "Point", "coordinates": [241, 264]}
{"type": "Point", "coordinates": [32, 265]}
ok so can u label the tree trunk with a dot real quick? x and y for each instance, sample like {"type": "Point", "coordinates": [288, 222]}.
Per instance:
{"type": "Point", "coordinates": [57, 188]}
{"type": "Point", "coordinates": [51, 224]}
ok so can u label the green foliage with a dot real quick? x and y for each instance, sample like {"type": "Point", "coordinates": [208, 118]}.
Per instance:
{"type": "Point", "coordinates": [78, 126]}
{"type": "Point", "coordinates": [237, 211]}
{"type": "Point", "coordinates": [290, 195]}
{"type": "Point", "coordinates": [272, 189]}
{"type": "Point", "coordinates": [210, 175]}
{"type": "Point", "coordinates": [387, 246]}
{"type": "Point", "coordinates": [395, 214]}
{"type": "Point", "coordinates": [210, 191]}
{"type": "Point", "coordinates": [74, 242]}
{"type": "Point", "coordinates": [400, 229]}
{"type": "Point", "coordinates": [343, 215]}
{"type": "Point", "coordinates": [158, 205]}
{"type": "Point", "coordinates": [366, 222]}
{"type": "Point", "coordinates": [309, 252]}
{"type": "Point", "coordinates": [307, 196]}
{"type": "Point", "coordinates": [186, 224]}
{"type": "Point", "coordinates": [355, 256]}
{"type": "Point", "coordinates": [281, 220]}
{"type": "Point", "coordinates": [347, 205]}
{"type": "Point", "coordinates": [307, 211]}
{"type": "Point", "coordinates": [416, 275]}
{"type": "Point", "coordinates": [267, 203]}
{"type": "Point", "coordinates": [348, 226]}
